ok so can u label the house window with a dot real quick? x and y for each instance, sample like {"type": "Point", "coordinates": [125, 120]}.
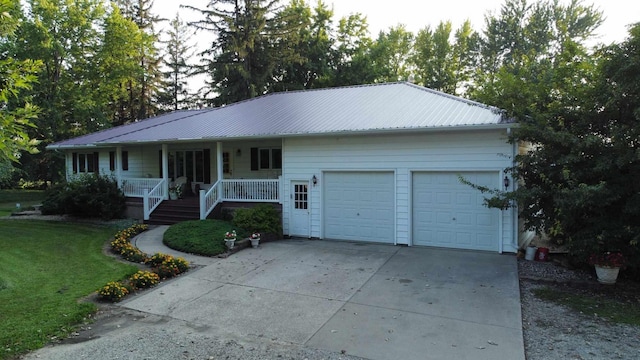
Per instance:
{"type": "Point", "coordinates": [125, 160]}
{"type": "Point", "coordinates": [194, 164]}
{"type": "Point", "coordinates": [266, 158]}
{"type": "Point", "coordinates": [85, 162]}
{"type": "Point", "coordinates": [112, 160]}
{"type": "Point", "coordinates": [301, 195]}
{"type": "Point", "coordinates": [226, 165]}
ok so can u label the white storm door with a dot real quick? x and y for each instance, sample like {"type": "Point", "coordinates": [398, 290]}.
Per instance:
{"type": "Point", "coordinates": [299, 209]}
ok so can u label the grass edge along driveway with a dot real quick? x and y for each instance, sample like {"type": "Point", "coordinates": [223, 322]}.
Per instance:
{"type": "Point", "coordinates": [45, 269]}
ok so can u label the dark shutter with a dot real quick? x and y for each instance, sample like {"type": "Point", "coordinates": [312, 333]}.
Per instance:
{"type": "Point", "coordinates": [75, 162]}
{"type": "Point", "coordinates": [254, 159]}
{"type": "Point", "coordinates": [96, 161]}
{"type": "Point", "coordinates": [112, 160]}
{"type": "Point", "coordinates": [125, 160]}
{"type": "Point", "coordinates": [276, 163]}
{"type": "Point", "coordinates": [160, 162]}
{"type": "Point", "coordinates": [207, 166]}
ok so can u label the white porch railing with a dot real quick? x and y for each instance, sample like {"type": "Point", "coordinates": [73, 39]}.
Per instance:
{"type": "Point", "coordinates": [241, 190]}
{"type": "Point", "coordinates": [209, 199]}
{"type": "Point", "coordinates": [134, 187]}
{"type": "Point", "coordinates": [254, 190]}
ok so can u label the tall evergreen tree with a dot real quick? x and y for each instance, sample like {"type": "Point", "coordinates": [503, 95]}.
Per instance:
{"type": "Point", "coordinates": [249, 36]}
{"type": "Point", "coordinates": [178, 52]}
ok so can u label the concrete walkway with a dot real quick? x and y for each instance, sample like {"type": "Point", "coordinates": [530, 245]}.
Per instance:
{"type": "Point", "coordinates": [368, 300]}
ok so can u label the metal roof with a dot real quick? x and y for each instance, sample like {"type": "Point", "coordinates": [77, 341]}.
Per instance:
{"type": "Point", "coordinates": [389, 107]}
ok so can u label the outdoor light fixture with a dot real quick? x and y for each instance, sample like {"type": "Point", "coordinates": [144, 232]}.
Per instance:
{"type": "Point", "coordinates": [506, 182]}
{"type": "Point", "coordinates": [239, 152]}
{"type": "Point", "coordinates": [314, 180]}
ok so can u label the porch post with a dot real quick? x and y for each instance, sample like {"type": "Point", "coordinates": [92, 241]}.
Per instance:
{"type": "Point", "coordinates": [165, 170]}
{"type": "Point", "coordinates": [118, 166]}
{"type": "Point", "coordinates": [219, 160]}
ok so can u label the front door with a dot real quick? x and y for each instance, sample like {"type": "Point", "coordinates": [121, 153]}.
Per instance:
{"type": "Point", "coordinates": [299, 209]}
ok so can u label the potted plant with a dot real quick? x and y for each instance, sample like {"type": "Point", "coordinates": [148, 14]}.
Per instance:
{"type": "Point", "coordinates": [175, 192]}
{"type": "Point", "coordinates": [607, 265]}
{"type": "Point", "coordinates": [230, 239]}
{"type": "Point", "coordinates": [255, 239]}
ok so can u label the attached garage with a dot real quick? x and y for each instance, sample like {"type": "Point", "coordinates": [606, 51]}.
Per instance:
{"type": "Point", "coordinates": [448, 213]}
{"type": "Point", "coordinates": [359, 206]}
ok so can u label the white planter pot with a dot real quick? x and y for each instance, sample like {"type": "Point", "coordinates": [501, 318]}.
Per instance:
{"type": "Point", "coordinates": [230, 243]}
{"type": "Point", "coordinates": [531, 253]}
{"type": "Point", "coordinates": [173, 195]}
{"type": "Point", "coordinates": [607, 275]}
{"type": "Point", "coordinates": [255, 243]}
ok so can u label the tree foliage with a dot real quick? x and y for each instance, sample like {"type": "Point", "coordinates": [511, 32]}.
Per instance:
{"type": "Point", "coordinates": [175, 94]}
{"type": "Point", "coordinates": [16, 77]}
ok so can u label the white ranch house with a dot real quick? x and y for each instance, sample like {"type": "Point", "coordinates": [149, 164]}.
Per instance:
{"type": "Point", "coordinates": [373, 163]}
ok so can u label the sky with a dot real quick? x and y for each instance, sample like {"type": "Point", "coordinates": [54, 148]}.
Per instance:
{"type": "Point", "coordinates": [416, 14]}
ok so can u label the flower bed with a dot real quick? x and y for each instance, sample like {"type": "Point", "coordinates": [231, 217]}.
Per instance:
{"type": "Point", "coordinates": [163, 266]}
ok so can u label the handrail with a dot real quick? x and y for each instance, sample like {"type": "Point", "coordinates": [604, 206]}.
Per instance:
{"type": "Point", "coordinates": [209, 200]}
{"type": "Point", "coordinates": [153, 198]}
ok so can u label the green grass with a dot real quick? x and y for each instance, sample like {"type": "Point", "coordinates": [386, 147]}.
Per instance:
{"type": "Point", "coordinates": [45, 269]}
{"type": "Point", "coordinates": [202, 237]}
{"type": "Point", "coordinates": [616, 311]}
{"type": "Point", "coordinates": [26, 198]}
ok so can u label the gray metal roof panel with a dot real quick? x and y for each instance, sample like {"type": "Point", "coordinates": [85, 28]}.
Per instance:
{"type": "Point", "coordinates": [392, 106]}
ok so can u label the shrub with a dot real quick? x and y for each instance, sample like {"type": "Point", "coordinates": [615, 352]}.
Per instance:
{"type": "Point", "coordinates": [202, 237]}
{"type": "Point", "coordinates": [113, 291]}
{"type": "Point", "coordinates": [144, 280]}
{"type": "Point", "coordinates": [262, 218]}
{"type": "Point", "coordinates": [88, 196]}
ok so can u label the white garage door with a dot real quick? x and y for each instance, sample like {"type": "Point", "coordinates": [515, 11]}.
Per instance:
{"type": "Point", "coordinates": [447, 213]}
{"type": "Point", "coordinates": [359, 206]}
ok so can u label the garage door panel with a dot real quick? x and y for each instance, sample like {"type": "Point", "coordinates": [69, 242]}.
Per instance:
{"type": "Point", "coordinates": [461, 220]}
{"type": "Point", "coordinates": [361, 204]}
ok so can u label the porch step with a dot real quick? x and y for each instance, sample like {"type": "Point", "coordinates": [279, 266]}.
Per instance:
{"type": "Point", "coordinates": [174, 211]}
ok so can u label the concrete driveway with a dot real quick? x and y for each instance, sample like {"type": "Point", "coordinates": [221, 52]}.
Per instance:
{"type": "Point", "coordinates": [367, 300]}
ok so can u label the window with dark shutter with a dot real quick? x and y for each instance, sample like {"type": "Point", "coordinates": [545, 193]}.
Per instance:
{"type": "Point", "coordinates": [112, 160]}
{"type": "Point", "coordinates": [74, 162]}
{"type": "Point", "coordinates": [125, 160]}
{"type": "Point", "coordinates": [254, 159]}
{"type": "Point", "coordinates": [276, 155]}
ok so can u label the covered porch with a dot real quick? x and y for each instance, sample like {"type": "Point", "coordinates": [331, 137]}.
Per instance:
{"type": "Point", "coordinates": [213, 173]}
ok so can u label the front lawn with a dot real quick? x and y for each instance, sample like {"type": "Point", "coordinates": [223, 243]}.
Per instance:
{"type": "Point", "coordinates": [45, 269]}
{"type": "Point", "coordinates": [202, 237]}
{"type": "Point", "coordinates": [26, 199]}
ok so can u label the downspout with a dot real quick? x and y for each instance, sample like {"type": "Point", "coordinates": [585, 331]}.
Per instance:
{"type": "Point", "coordinates": [165, 170]}
{"type": "Point", "coordinates": [514, 209]}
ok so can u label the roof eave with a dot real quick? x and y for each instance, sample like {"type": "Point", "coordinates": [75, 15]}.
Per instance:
{"type": "Point", "coordinates": [498, 126]}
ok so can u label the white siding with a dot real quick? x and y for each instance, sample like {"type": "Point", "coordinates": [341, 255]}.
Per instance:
{"type": "Point", "coordinates": [241, 165]}
{"type": "Point", "coordinates": [403, 154]}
